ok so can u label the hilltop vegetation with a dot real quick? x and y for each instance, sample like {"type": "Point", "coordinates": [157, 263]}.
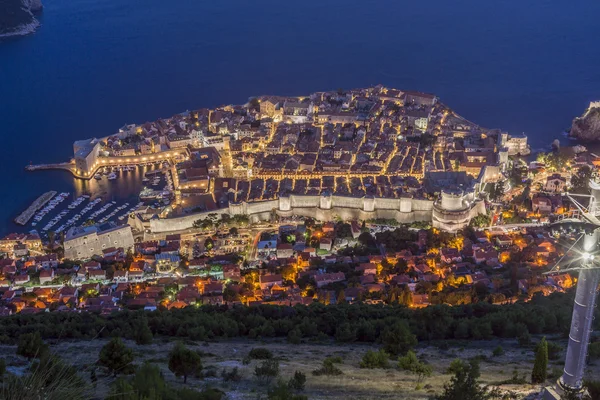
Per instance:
{"type": "Point", "coordinates": [344, 322]}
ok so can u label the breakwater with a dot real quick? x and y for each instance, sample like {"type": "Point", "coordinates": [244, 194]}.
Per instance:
{"type": "Point", "coordinates": [26, 215]}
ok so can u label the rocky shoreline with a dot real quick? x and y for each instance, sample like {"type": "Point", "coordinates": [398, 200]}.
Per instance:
{"type": "Point", "coordinates": [587, 127]}
{"type": "Point", "coordinates": [22, 30]}
{"type": "Point", "coordinates": [17, 17]}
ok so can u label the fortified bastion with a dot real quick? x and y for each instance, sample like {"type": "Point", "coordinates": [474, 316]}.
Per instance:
{"type": "Point", "coordinates": [453, 211]}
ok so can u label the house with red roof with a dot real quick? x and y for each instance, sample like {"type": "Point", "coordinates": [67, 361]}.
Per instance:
{"type": "Point", "coordinates": [266, 281]}
{"type": "Point", "coordinates": [328, 278]}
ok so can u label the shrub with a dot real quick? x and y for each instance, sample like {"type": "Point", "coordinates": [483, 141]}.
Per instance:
{"type": "Point", "coordinates": [593, 350]}
{"type": "Point", "coordinates": [31, 346]}
{"type": "Point", "coordinates": [593, 388]}
{"type": "Point", "coordinates": [233, 375]}
{"type": "Point", "coordinates": [268, 370]}
{"type": "Point", "coordinates": [411, 363]}
{"type": "Point", "coordinates": [498, 351]}
{"type": "Point", "coordinates": [375, 359]}
{"type": "Point", "coordinates": [328, 368]}
{"type": "Point", "coordinates": [260, 353]}
{"type": "Point", "coordinates": [554, 350]}
{"type": "Point", "coordinates": [49, 378]}
{"type": "Point", "coordinates": [523, 335]}
{"type": "Point", "coordinates": [282, 391]}
{"type": "Point", "coordinates": [515, 379]}
{"type": "Point", "coordinates": [336, 359]}
{"type": "Point", "coordinates": [297, 381]}
{"type": "Point", "coordinates": [465, 385]}
{"type": "Point", "coordinates": [208, 372]}
{"type": "Point", "coordinates": [294, 336]}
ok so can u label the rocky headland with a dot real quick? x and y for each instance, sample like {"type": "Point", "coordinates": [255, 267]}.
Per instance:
{"type": "Point", "coordinates": [17, 17]}
{"type": "Point", "coordinates": [587, 127]}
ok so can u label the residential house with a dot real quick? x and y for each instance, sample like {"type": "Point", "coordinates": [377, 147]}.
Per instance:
{"type": "Point", "coordinates": [267, 281]}
{"type": "Point", "coordinates": [285, 250]}
{"type": "Point", "coordinates": [46, 276]}
{"type": "Point", "coordinates": [327, 278]}
{"type": "Point", "coordinates": [541, 205]}
{"type": "Point", "coordinates": [450, 255]}
{"type": "Point", "coordinates": [555, 183]}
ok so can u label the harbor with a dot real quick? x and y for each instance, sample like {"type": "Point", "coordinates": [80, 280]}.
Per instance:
{"type": "Point", "coordinates": [40, 202]}
{"type": "Point", "coordinates": [115, 193]}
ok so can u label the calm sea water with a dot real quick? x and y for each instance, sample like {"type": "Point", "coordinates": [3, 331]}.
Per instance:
{"type": "Point", "coordinates": [521, 65]}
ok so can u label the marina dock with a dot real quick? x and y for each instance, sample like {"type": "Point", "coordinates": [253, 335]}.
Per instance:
{"type": "Point", "coordinates": [26, 215]}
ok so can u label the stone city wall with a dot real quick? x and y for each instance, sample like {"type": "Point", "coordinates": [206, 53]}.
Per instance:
{"type": "Point", "coordinates": [323, 208]}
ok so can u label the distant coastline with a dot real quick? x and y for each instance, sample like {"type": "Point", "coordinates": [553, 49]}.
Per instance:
{"type": "Point", "coordinates": [17, 17]}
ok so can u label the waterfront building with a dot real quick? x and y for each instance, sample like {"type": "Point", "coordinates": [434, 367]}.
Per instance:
{"type": "Point", "coordinates": [13, 244]}
{"type": "Point", "coordinates": [86, 154]}
{"type": "Point", "coordinates": [82, 243]}
{"type": "Point", "coordinates": [516, 145]}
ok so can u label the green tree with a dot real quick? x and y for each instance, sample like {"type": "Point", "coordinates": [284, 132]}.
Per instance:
{"type": "Point", "coordinates": [343, 230]}
{"type": "Point", "coordinates": [465, 385]}
{"type": "Point", "coordinates": [116, 357]}
{"type": "Point", "coordinates": [184, 362]}
{"type": "Point", "coordinates": [142, 333]}
{"type": "Point", "coordinates": [398, 339]}
{"type": "Point", "coordinates": [31, 345]}
{"type": "Point", "coordinates": [540, 365]}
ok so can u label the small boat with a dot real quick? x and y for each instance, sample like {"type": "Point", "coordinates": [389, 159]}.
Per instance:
{"type": "Point", "coordinates": [112, 176]}
{"type": "Point", "coordinates": [98, 176]}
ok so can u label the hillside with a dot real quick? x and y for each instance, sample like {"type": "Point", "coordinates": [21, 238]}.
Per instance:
{"type": "Point", "coordinates": [355, 382]}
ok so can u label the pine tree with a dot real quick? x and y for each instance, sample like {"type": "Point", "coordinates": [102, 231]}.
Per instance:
{"type": "Point", "coordinates": [465, 385]}
{"type": "Point", "coordinates": [398, 339]}
{"type": "Point", "coordinates": [116, 357]}
{"type": "Point", "coordinates": [142, 333]}
{"type": "Point", "coordinates": [31, 346]}
{"type": "Point", "coordinates": [540, 366]}
{"type": "Point", "coordinates": [184, 362]}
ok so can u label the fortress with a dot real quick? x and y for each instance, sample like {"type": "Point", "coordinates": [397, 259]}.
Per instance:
{"type": "Point", "coordinates": [451, 212]}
